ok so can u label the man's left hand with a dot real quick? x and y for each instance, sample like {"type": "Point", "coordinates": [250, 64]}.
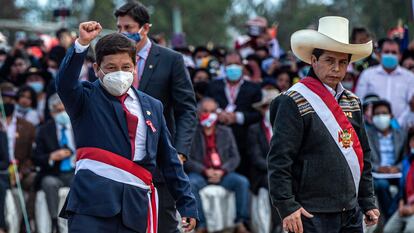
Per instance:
{"type": "Point", "coordinates": [188, 224]}
{"type": "Point", "coordinates": [371, 217]}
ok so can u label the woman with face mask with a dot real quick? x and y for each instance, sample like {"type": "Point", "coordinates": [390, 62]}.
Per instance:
{"type": "Point", "coordinates": [38, 81]}
{"type": "Point", "coordinates": [26, 105]}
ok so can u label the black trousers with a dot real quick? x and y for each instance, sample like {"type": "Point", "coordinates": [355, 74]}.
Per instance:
{"type": "Point", "coordinates": [349, 221]}
{"type": "Point", "coordinates": [167, 220]}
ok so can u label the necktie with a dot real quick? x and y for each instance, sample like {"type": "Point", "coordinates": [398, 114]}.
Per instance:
{"type": "Point", "coordinates": [65, 165]}
{"type": "Point", "coordinates": [132, 123]}
{"type": "Point", "coordinates": [140, 61]}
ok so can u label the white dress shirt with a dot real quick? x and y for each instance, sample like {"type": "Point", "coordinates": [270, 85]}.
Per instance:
{"type": "Point", "coordinates": [396, 87]}
{"type": "Point", "coordinates": [11, 136]}
{"type": "Point", "coordinates": [134, 107]}
{"type": "Point", "coordinates": [339, 90]}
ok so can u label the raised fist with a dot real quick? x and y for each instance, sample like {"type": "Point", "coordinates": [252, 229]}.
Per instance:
{"type": "Point", "coordinates": [88, 31]}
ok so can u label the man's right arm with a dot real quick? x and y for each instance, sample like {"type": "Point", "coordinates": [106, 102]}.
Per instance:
{"type": "Point", "coordinates": [284, 147]}
{"type": "Point", "coordinates": [68, 85]}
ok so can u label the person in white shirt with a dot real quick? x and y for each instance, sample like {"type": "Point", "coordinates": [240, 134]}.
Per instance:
{"type": "Point", "coordinates": [388, 80]}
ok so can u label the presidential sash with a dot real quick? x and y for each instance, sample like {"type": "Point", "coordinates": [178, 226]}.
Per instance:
{"type": "Point", "coordinates": [120, 169]}
{"type": "Point", "coordinates": [336, 122]}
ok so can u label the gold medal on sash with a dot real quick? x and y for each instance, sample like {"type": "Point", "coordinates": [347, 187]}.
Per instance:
{"type": "Point", "coordinates": [345, 138]}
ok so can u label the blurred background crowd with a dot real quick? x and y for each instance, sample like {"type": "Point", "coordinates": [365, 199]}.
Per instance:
{"type": "Point", "coordinates": [236, 72]}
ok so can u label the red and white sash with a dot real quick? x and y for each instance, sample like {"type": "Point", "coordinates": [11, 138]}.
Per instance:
{"type": "Point", "coordinates": [337, 123]}
{"type": "Point", "coordinates": [117, 168]}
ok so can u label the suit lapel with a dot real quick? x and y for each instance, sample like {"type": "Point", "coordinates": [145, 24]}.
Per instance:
{"type": "Point", "coordinates": [150, 65]}
{"type": "Point", "coordinates": [149, 118]}
{"type": "Point", "coordinates": [237, 102]}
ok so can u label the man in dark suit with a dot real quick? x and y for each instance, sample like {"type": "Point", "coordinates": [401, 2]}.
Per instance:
{"type": "Point", "coordinates": [388, 147]}
{"type": "Point", "coordinates": [161, 74]}
{"type": "Point", "coordinates": [235, 97]}
{"type": "Point", "coordinates": [215, 157]}
{"type": "Point", "coordinates": [121, 137]}
{"type": "Point", "coordinates": [54, 154]}
{"type": "Point", "coordinates": [259, 136]}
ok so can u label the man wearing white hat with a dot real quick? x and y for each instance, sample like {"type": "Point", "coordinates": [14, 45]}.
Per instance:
{"type": "Point", "coordinates": [319, 160]}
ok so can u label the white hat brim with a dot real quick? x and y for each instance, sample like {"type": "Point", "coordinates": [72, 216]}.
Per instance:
{"type": "Point", "coordinates": [303, 42]}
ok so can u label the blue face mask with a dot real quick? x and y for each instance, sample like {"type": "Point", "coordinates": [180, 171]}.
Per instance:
{"type": "Point", "coordinates": [389, 61]}
{"type": "Point", "coordinates": [134, 36]}
{"type": "Point", "coordinates": [37, 86]}
{"type": "Point", "coordinates": [234, 72]}
{"type": "Point", "coordinates": [62, 118]}
{"type": "Point", "coordinates": [22, 109]}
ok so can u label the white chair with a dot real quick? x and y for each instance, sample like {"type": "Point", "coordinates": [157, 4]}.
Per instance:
{"type": "Point", "coordinates": [13, 212]}
{"type": "Point", "coordinates": [43, 223]}
{"type": "Point", "coordinates": [219, 206]}
{"type": "Point", "coordinates": [261, 213]}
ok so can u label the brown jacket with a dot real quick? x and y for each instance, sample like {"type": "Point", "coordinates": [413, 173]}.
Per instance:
{"type": "Point", "coordinates": [25, 135]}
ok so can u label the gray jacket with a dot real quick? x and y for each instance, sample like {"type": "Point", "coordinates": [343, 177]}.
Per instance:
{"type": "Point", "coordinates": [399, 141]}
{"type": "Point", "coordinates": [226, 148]}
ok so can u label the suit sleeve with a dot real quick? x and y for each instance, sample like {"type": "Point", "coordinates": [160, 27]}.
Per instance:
{"type": "Point", "coordinates": [253, 116]}
{"type": "Point", "coordinates": [184, 107]}
{"type": "Point", "coordinates": [4, 151]}
{"type": "Point", "coordinates": [366, 197]}
{"type": "Point", "coordinates": [256, 158]}
{"type": "Point", "coordinates": [177, 181]}
{"type": "Point", "coordinates": [234, 160]}
{"type": "Point", "coordinates": [40, 154]}
{"type": "Point", "coordinates": [288, 131]}
{"type": "Point", "coordinates": [68, 85]}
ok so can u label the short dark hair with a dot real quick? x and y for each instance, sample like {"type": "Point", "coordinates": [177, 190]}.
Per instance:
{"type": "Point", "coordinates": [61, 31]}
{"type": "Point", "coordinates": [136, 11]}
{"type": "Point", "coordinates": [318, 52]}
{"type": "Point", "coordinates": [358, 30]}
{"type": "Point", "coordinates": [380, 103]}
{"type": "Point", "coordinates": [33, 96]}
{"type": "Point", "coordinates": [387, 40]}
{"type": "Point", "coordinates": [234, 52]}
{"type": "Point", "coordinates": [114, 43]}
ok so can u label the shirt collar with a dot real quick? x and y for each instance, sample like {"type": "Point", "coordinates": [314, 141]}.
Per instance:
{"type": "Point", "coordinates": [131, 93]}
{"type": "Point", "coordinates": [143, 53]}
{"type": "Point", "coordinates": [60, 126]}
{"type": "Point", "coordinates": [339, 90]}
{"type": "Point", "coordinates": [381, 70]}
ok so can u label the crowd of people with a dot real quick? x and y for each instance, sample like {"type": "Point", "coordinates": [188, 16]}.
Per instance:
{"type": "Point", "coordinates": [233, 88]}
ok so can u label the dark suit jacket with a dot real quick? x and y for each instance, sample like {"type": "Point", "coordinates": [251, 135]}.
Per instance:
{"type": "Point", "coordinates": [257, 151]}
{"type": "Point", "coordinates": [226, 148]}
{"type": "Point", "coordinates": [399, 138]}
{"type": "Point", "coordinates": [46, 142]}
{"type": "Point", "coordinates": [166, 78]}
{"type": "Point", "coordinates": [249, 94]}
{"type": "Point", "coordinates": [4, 152]}
{"type": "Point", "coordinates": [98, 120]}
{"type": "Point", "coordinates": [25, 136]}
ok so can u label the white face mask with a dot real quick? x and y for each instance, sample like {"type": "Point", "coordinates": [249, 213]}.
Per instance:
{"type": "Point", "coordinates": [117, 83]}
{"type": "Point", "coordinates": [382, 121]}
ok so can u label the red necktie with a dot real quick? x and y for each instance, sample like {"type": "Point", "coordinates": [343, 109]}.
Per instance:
{"type": "Point", "coordinates": [132, 123]}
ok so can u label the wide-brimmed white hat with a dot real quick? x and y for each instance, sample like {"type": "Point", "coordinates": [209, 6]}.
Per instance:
{"type": "Point", "coordinates": [332, 35]}
{"type": "Point", "coordinates": [267, 97]}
